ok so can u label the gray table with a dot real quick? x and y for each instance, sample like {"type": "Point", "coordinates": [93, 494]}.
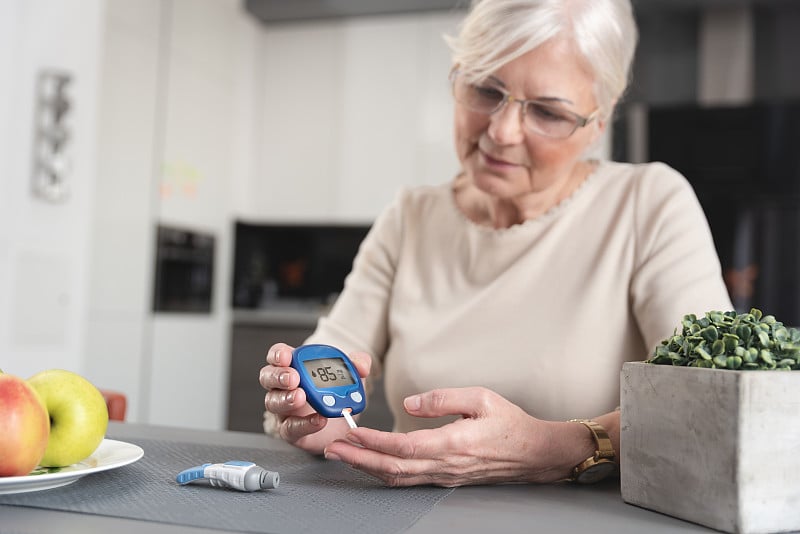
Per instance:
{"type": "Point", "coordinates": [501, 509]}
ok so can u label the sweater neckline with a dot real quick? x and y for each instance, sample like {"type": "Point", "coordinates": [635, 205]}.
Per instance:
{"type": "Point", "coordinates": [536, 222]}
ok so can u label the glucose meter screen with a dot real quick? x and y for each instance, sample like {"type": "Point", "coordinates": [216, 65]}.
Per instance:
{"type": "Point", "coordinates": [329, 372]}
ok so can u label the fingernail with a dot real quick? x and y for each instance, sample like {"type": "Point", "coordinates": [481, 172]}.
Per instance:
{"type": "Point", "coordinates": [283, 378]}
{"type": "Point", "coordinates": [412, 403]}
{"type": "Point", "coordinates": [275, 356]}
{"type": "Point", "coordinates": [332, 456]}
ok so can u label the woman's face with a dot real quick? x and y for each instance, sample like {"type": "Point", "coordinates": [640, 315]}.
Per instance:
{"type": "Point", "coordinates": [504, 158]}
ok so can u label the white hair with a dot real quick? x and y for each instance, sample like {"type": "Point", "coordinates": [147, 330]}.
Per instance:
{"type": "Point", "coordinates": [604, 32]}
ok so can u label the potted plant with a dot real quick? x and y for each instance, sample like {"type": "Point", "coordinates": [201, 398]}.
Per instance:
{"type": "Point", "coordinates": [707, 434]}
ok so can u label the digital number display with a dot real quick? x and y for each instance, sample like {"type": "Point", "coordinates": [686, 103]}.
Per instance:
{"type": "Point", "coordinates": [329, 372]}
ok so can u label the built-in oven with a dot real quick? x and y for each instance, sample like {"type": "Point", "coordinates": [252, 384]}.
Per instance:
{"type": "Point", "coordinates": [184, 270]}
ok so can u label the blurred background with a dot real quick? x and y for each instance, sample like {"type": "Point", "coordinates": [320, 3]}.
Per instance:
{"type": "Point", "coordinates": [185, 182]}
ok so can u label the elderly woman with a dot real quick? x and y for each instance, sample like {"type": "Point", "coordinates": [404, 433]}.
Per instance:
{"type": "Point", "coordinates": [500, 306]}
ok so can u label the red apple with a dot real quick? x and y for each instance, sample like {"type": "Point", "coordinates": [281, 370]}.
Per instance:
{"type": "Point", "coordinates": [24, 427]}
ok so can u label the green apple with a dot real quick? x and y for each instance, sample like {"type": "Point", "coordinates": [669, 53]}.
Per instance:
{"type": "Point", "coordinates": [78, 416]}
{"type": "Point", "coordinates": [24, 427]}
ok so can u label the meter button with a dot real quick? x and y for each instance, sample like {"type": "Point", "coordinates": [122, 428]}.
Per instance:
{"type": "Point", "coordinates": [328, 400]}
{"type": "Point", "coordinates": [356, 396]}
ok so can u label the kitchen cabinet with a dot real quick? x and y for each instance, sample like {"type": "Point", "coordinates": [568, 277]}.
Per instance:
{"type": "Point", "coordinates": [353, 110]}
{"type": "Point", "coordinates": [252, 333]}
{"type": "Point", "coordinates": [249, 344]}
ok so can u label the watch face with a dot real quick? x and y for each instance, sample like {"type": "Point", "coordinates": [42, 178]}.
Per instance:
{"type": "Point", "coordinates": [596, 472]}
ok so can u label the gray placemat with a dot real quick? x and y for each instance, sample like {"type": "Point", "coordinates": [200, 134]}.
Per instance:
{"type": "Point", "coordinates": [314, 495]}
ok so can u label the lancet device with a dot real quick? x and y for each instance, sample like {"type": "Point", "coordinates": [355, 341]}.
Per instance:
{"type": "Point", "coordinates": [236, 474]}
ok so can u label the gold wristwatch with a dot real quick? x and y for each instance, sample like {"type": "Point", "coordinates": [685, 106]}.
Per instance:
{"type": "Point", "coordinates": [601, 464]}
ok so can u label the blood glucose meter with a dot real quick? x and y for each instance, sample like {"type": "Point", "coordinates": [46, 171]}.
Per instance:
{"type": "Point", "coordinates": [330, 381]}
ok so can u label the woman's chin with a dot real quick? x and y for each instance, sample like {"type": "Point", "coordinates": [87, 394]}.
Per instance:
{"type": "Point", "coordinates": [494, 185]}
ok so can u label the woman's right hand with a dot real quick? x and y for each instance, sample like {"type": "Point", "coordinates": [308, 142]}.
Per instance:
{"type": "Point", "coordinates": [294, 420]}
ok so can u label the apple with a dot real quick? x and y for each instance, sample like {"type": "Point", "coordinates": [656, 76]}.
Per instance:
{"type": "Point", "coordinates": [78, 416]}
{"type": "Point", "coordinates": [24, 426]}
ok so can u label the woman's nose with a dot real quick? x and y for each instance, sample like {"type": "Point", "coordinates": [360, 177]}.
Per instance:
{"type": "Point", "coordinates": [505, 125]}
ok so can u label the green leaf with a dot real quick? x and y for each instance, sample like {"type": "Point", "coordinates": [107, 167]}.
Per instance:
{"type": "Point", "coordinates": [766, 357]}
{"type": "Point", "coordinates": [710, 334]}
{"type": "Point", "coordinates": [780, 334]}
{"type": "Point", "coordinates": [731, 342]}
{"type": "Point", "coordinates": [703, 354]}
{"type": "Point", "coordinates": [716, 317]}
{"type": "Point", "coordinates": [794, 335]}
{"type": "Point", "coordinates": [721, 361]}
{"type": "Point", "coordinates": [763, 339]}
{"type": "Point", "coordinates": [744, 333]}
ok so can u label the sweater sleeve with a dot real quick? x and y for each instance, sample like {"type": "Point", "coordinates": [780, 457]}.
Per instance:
{"type": "Point", "coordinates": [358, 319]}
{"type": "Point", "coordinates": [677, 270]}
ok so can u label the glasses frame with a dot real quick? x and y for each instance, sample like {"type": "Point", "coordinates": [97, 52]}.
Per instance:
{"type": "Point", "coordinates": [508, 98]}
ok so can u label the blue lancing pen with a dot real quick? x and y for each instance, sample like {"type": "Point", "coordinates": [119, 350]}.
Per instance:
{"type": "Point", "coordinates": [236, 474]}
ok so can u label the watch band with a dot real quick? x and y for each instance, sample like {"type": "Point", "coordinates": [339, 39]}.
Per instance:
{"type": "Point", "coordinates": [605, 449]}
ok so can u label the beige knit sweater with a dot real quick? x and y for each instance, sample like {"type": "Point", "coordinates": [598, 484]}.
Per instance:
{"type": "Point", "coordinates": [543, 313]}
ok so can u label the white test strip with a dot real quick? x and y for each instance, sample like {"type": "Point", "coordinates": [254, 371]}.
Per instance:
{"type": "Point", "coordinates": [349, 418]}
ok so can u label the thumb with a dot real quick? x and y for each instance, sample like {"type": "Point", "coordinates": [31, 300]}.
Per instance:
{"type": "Point", "coordinates": [362, 362]}
{"type": "Point", "coordinates": [465, 402]}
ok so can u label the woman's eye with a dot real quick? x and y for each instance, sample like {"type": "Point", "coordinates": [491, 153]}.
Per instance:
{"type": "Point", "coordinates": [488, 93]}
{"type": "Point", "coordinates": [546, 113]}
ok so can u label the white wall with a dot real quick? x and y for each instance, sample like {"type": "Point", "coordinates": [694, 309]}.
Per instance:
{"type": "Point", "coordinates": [44, 246]}
{"type": "Point", "coordinates": [119, 321]}
{"type": "Point", "coordinates": [353, 109]}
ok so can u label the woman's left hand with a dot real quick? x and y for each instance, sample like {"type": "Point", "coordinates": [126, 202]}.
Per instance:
{"type": "Point", "coordinates": [495, 441]}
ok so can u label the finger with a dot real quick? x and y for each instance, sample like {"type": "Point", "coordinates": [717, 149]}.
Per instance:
{"type": "Point", "coordinates": [420, 444]}
{"type": "Point", "coordinates": [466, 402]}
{"type": "Point", "coordinates": [283, 402]}
{"type": "Point", "coordinates": [271, 377]}
{"type": "Point", "coordinates": [392, 470]}
{"type": "Point", "coordinates": [294, 428]}
{"type": "Point", "coordinates": [280, 355]}
{"type": "Point", "coordinates": [362, 361]}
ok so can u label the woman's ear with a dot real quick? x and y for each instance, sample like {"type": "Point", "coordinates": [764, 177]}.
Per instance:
{"type": "Point", "coordinates": [598, 128]}
{"type": "Point", "coordinates": [602, 122]}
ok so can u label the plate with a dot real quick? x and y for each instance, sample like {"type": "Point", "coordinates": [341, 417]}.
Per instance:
{"type": "Point", "coordinates": [110, 454]}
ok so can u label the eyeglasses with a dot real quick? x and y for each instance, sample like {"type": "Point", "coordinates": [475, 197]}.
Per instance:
{"type": "Point", "coordinates": [539, 116]}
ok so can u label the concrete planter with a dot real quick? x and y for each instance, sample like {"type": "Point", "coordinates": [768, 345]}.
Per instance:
{"type": "Point", "coordinates": [716, 447]}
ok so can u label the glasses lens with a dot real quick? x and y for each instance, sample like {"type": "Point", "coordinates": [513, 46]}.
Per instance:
{"type": "Point", "coordinates": [549, 120]}
{"type": "Point", "coordinates": [477, 97]}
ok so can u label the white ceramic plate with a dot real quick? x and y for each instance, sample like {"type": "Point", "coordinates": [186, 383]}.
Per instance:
{"type": "Point", "coordinates": [110, 454]}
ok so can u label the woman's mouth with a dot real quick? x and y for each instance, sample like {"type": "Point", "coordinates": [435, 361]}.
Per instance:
{"type": "Point", "coordinates": [495, 162]}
